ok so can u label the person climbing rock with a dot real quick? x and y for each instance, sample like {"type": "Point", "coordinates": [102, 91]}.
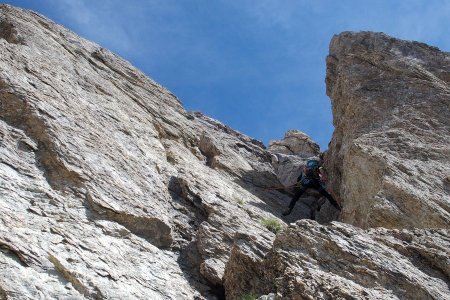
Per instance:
{"type": "Point", "coordinates": [311, 177]}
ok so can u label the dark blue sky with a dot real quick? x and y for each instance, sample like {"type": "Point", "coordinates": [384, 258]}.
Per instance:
{"type": "Point", "coordinates": [258, 66]}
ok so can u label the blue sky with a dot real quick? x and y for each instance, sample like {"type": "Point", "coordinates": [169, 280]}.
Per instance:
{"type": "Point", "coordinates": [258, 66]}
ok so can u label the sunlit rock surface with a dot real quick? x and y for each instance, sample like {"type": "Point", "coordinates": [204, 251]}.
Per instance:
{"type": "Point", "coordinates": [295, 143]}
{"type": "Point", "coordinates": [109, 189]}
{"type": "Point", "coordinates": [388, 162]}
{"type": "Point", "coordinates": [389, 156]}
{"type": "Point", "coordinates": [339, 261]}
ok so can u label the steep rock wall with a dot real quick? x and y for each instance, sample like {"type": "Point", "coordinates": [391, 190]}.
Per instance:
{"type": "Point", "coordinates": [389, 161]}
{"type": "Point", "coordinates": [389, 157]}
{"type": "Point", "coordinates": [108, 187]}
{"type": "Point", "coordinates": [289, 157]}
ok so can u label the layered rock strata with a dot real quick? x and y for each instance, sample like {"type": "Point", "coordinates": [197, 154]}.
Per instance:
{"type": "Point", "coordinates": [339, 261]}
{"type": "Point", "coordinates": [389, 157]}
{"type": "Point", "coordinates": [108, 187]}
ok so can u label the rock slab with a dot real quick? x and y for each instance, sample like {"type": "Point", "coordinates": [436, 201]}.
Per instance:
{"type": "Point", "coordinates": [389, 157]}
{"type": "Point", "coordinates": [339, 261]}
{"type": "Point", "coordinates": [109, 189]}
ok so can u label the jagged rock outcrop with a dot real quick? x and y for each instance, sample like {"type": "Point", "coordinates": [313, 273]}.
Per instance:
{"type": "Point", "coordinates": [389, 161]}
{"type": "Point", "coordinates": [295, 142]}
{"type": "Point", "coordinates": [289, 155]}
{"type": "Point", "coordinates": [109, 188]}
{"type": "Point", "coordinates": [339, 261]}
{"type": "Point", "coordinates": [389, 156]}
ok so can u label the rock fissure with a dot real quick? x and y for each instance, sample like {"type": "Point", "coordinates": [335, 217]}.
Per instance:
{"type": "Point", "coordinates": [154, 230]}
{"type": "Point", "coordinates": [3, 294]}
{"type": "Point", "coordinates": [191, 260]}
{"type": "Point", "coordinates": [15, 252]}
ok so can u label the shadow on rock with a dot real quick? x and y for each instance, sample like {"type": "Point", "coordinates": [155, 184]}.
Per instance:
{"type": "Point", "coordinates": [189, 262]}
{"type": "Point", "coordinates": [275, 200]}
{"type": "Point", "coordinates": [264, 184]}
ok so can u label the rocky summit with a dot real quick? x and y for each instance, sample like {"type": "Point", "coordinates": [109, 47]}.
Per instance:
{"type": "Point", "coordinates": [110, 189]}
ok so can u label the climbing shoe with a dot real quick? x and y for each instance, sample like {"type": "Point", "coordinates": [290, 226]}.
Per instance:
{"type": "Point", "coordinates": [287, 212]}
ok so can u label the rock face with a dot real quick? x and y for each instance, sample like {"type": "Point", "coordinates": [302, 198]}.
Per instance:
{"type": "Point", "coordinates": [339, 261]}
{"type": "Point", "coordinates": [290, 155]}
{"type": "Point", "coordinates": [109, 189]}
{"type": "Point", "coordinates": [389, 156]}
{"type": "Point", "coordinates": [389, 161]}
{"type": "Point", "coordinates": [295, 143]}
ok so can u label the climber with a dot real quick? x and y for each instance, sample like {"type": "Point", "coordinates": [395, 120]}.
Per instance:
{"type": "Point", "coordinates": [311, 177]}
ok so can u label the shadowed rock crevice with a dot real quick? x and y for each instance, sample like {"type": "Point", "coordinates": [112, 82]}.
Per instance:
{"type": "Point", "coordinates": [191, 203]}
{"type": "Point", "coordinates": [16, 253]}
{"type": "Point", "coordinates": [3, 295]}
{"type": "Point", "coordinates": [265, 186]}
{"type": "Point", "coordinates": [191, 260]}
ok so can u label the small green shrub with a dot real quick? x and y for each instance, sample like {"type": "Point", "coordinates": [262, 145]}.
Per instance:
{"type": "Point", "coordinates": [239, 201]}
{"type": "Point", "coordinates": [272, 224]}
{"type": "Point", "coordinates": [249, 296]}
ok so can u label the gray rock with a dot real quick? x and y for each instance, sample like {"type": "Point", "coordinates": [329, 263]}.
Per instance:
{"type": "Point", "coordinates": [109, 188]}
{"type": "Point", "coordinates": [295, 143]}
{"type": "Point", "coordinates": [389, 162]}
{"type": "Point", "coordinates": [270, 296]}
{"type": "Point", "coordinates": [389, 156]}
{"type": "Point", "coordinates": [339, 261]}
{"type": "Point", "coordinates": [288, 167]}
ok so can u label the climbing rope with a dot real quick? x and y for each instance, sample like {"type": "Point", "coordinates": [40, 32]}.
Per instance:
{"type": "Point", "coordinates": [280, 187]}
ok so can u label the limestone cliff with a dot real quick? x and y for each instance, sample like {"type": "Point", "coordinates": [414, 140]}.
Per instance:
{"type": "Point", "coordinates": [389, 157]}
{"type": "Point", "coordinates": [109, 189]}
{"type": "Point", "coordinates": [389, 161]}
